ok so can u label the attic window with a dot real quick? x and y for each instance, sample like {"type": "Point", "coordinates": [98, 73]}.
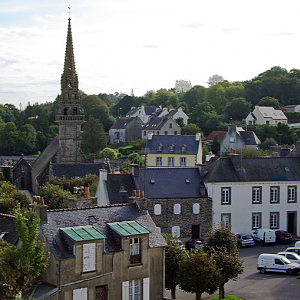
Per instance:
{"type": "Point", "coordinates": [92, 220]}
{"type": "Point", "coordinates": [187, 181]}
{"type": "Point", "coordinates": [183, 148]}
{"type": "Point", "coordinates": [171, 148]}
{"type": "Point", "coordinates": [159, 147]}
{"type": "Point", "coordinates": [287, 169]}
{"type": "Point", "coordinates": [152, 181]}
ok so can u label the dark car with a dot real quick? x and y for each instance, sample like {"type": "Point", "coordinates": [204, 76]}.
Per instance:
{"type": "Point", "coordinates": [244, 240]}
{"type": "Point", "coordinates": [195, 244]}
{"type": "Point", "coordinates": [283, 237]}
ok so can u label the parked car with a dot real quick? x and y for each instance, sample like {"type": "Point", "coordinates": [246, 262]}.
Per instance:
{"type": "Point", "coordinates": [276, 263]}
{"type": "Point", "coordinates": [292, 256]}
{"type": "Point", "coordinates": [283, 237]}
{"type": "Point", "coordinates": [297, 244]}
{"type": "Point", "coordinates": [193, 244]}
{"type": "Point", "coordinates": [293, 249]}
{"type": "Point", "coordinates": [264, 236]}
{"type": "Point", "coordinates": [244, 240]}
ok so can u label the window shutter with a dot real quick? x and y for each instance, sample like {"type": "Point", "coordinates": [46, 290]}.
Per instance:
{"type": "Point", "coordinates": [146, 289]}
{"type": "Point", "coordinates": [125, 290]}
{"type": "Point", "coordinates": [89, 257]}
{"type": "Point", "coordinates": [80, 294]}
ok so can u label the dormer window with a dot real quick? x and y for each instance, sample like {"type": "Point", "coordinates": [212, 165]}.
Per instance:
{"type": "Point", "coordinates": [172, 148]}
{"type": "Point", "coordinates": [135, 256]}
{"type": "Point", "coordinates": [159, 147]}
{"type": "Point", "coordinates": [231, 139]}
{"type": "Point", "coordinates": [183, 148]}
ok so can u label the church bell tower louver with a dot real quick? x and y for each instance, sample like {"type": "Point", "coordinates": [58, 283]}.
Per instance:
{"type": "Point", "coordinates": [70, 115]}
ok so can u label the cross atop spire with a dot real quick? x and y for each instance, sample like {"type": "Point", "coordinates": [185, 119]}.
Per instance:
{"type": "Point", "coordinates": [69, 7]}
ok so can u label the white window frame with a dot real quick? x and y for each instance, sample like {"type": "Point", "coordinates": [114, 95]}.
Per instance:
{"type": "Point", "coordinates": [89, 257]}
{"type": "Point", "coordinates": [134, 246]}
{"type": "Point", "coordinates": [136, 289]}
{"type": "Point", "coordinates": [274, 220]}
{"type": "Point", "coordinates": [171, 161]}
{"type": "Point", "coordinates": [256, 194]}
{"type": "Point", "coordinates": [177, 209]}
{"type": "Point", "coordinates": [159, 161]}
{"type": "Point", "coordinates": [196, 208]}
{"type": "Point", "coordinates": [256, 220]}
{"type": "Point", "coordinates": [292, 194]}
{"type": "Point", "coordinates": [226, 220]}
{"type": "Point", "coordinates": [157, 209]}
{"type": "Point", "coordinates": [176, 231]}
{"type": "Point", "coordinates": [182, 161]}
{"type": "Point", "coordinates": [274, 194]}
{"type": "Point", "coordinates": [225, 195]}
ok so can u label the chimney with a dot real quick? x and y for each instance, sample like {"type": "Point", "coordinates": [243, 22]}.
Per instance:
{"type": "Point", "coordinates": [41, 211]}
{"type": "Point", "coordinates": [86, 192]}
{"type": "Point", "coordinates": [236, 160]}
{"type": "Point", "coordinates": [150, 134]}
{"type": "Point", "coordinates": [134, 169]}
{"type": "Point", "coordinates": [198, 136]}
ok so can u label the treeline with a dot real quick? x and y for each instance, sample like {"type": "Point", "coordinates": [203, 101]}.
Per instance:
{"type": "Point", "coordinates": [209, 108]}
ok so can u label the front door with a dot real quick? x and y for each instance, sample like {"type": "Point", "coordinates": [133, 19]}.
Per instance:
{"type": "Point", "coordinates": [196, 231]}
{"type": "Point", "coordinates": [292, 222]}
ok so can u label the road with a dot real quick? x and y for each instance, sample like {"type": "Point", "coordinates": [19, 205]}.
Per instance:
{"type": "Point", "coordinates": [252, 285]}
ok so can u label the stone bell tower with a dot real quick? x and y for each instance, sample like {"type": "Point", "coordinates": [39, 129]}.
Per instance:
{"type": "Point", "coordinates": [70, 115]}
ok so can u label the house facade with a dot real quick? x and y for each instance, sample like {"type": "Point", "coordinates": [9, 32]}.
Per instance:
{"type": "Point", "coordinates": [160, 125]}
{"type": "Point", "coordinates": [112, 252]}
{"type": "Point", "coordinates": [237, 138]}
{"type": "Point", "coordinates": [173, 150]}
{"type": "Point", "coordinates": [125, 129]}
{"type": "Point", "coordinates": [266, 115]}
{"type": "Point", "coordinates": [251, 193]}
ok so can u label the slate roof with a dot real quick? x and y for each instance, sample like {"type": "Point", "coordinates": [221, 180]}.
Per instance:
{"type": "Point", "coordinates": [114, 184]}
{"type": "Point", "coordinates": [75, 170]}
{"type": "Point", "coordinates": [166, 183]}
{"type": "Point", "coordinates": [150, 110]}
{"type": "Point", "coordinates": [132, 111]}
{"type": "Point", "coordinates": [123, 123]}
{"type": "Point", "coordinates": [249, 137]}
{"type": "Point", "coordinates": [155, 123]}
{"type": "Point", "coordinates": [177, 140]}
{"type": "Point", "coordinates": [254, 169]}
{"type": "Point", "coordinates": [106, 214]}
{"type": "Point", "coordinates": [7, 226]}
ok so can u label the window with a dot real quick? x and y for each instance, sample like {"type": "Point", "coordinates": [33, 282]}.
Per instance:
{"type": "Point", "coordinates": [196, 208]}
{"type": "Point", "coordinates": [101, 292]}
{"type": "Point", "coordinates": [256, 220]}
{"type": "Point", "coordinates": [226, 196]}
{"type": "Point", "coordinates": [274, 220]}
{"type": "Point", "coordinates": [159, 147]}
{"type": "Point", "coordinates": [171, 161]}
{"type": "Point", "coordinates": [80, 294]}
{"type": "Point", "coordinates": [171, 148]}
{"type": "Point", "coordinates": [135, 256]}
{"type": "Point", "coordinates": [145, 133]}
{"type": "Point", "coordinates": [256, 194]}
{"type": "Point", "coordinates": [136, 289]}
{"type": "Point", "coordinates": [274, 194]}
{"type": "Point", "coordinates": [175, 132]}
{"type": "Point", "coordinates": [158, 161]}
{"type": "Point", "coordinates": [157, 209]}
{"type": "Point", "coordinates": [177, 209]}
{"type": "Point", "coordinates": [292, 194]}
{"type": "Point", "coordinates": [176, 231]}
{"type": "Point", "coordinates": [231, 139]}
{"type": "Point", "coordinates": [89, 257]}
{"type": "Point", "coordinates": [183, 148]}
{"type": "Point", "coordinates": [166, 132]}
{"type": "Point", "coordinates": [170, 125]}
{"type": "Point", "coordinates": [226, 220]}
{"type": "Point", "coordinates": [268, 122]}
{"type": "Point", "coordinates": [250, 123]}
{"type": "Point", "coordinates": [182, 162]}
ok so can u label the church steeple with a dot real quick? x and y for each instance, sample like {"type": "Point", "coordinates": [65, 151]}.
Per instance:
{"type": "Point", "coordinates": [70, 116]}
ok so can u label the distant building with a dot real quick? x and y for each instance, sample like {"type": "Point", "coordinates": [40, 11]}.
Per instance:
{"type": "Point", "coordinates": [266, 115]}
{"type": "Point", "coordinates": [293, 108]}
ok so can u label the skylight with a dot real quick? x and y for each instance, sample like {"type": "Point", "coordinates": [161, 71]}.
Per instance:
{"type": "Point", "coordinates": [287, 169]}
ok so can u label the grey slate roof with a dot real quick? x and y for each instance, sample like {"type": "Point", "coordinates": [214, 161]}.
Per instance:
{"type": "Point", "coordinates": [170, 182]}
{"type": "Point", "coordinates": [155, 123]}
{"type": "Point", "coordinates": [249, 137]}
{"type": "Point", "coordinates": [114, 184]}
{"type": "Point", "coordinates": [177, 140]}
{"type": "Point", "coordinates": [75, 170]}
{"type": "Point", "coordinates": [123, 123]}
{"type": "Point", "coordinates": [7, 226]}
{"type": "Point", "coordinates": [254, 169]}
{"type": "Point", "coordinates": [103, 215]}
{"type": "Point", "coordinates": [150, 110]}
{"type": "Point", "coordinates": [133, 111]}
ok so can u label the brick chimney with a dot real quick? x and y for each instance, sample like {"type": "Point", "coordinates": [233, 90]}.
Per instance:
{"type": "Point", "coordinates": [40, 208]}
{"type": "Point", "coordinates": [236, 160]}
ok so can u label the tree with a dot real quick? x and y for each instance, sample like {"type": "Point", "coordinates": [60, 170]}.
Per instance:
{"type": "Point", "coordinates": [267, 143]}
{"type": "Point", "coordinates": [54, 196]}
{"type": "Point", "coordinates": [93, 137]}
{"type": "Point", "coordinates": [190, 129]}
{"type": "Point", "coordinates": [214, 80]}
{"type": "Point", "coordinates": [238, 109]}
{"type": "Point", "coordinates": [112, 153]}
{"type": "Point", "coordinates": [20, 265]}
{"type": "Point", "coordinates": [269, 101]}
{"type": "Point", "coordinates": [215, 146]}
{"type": "Point", "coordinates": [180, 122]}
{"type": "Point", "coordinates": [222, 245]}
{"type": "Point", "coordinates": [194, 96]}
{"type": "Point", "coordinates": [173, 257]}
{"type": "Point", "coordinates": [197, 273]}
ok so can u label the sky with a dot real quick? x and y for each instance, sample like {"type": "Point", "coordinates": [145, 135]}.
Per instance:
{"type": "Point", "coordinates": [141, 45]}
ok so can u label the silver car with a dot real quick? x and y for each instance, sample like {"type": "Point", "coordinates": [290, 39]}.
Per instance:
{"type": "Point", "coordinates": [244, 240]}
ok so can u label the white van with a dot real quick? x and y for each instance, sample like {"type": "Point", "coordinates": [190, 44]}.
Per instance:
{"type": "Point", "coordinates": [264, 236]}
{"type": "Point", "coordinates": [276, 263]}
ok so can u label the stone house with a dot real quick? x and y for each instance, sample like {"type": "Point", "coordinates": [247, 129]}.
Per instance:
{"type": "Point", "coordinates": [173, 150]}
{"type": "Point", "coordinates": [111, 252]}
{"type": "Point", "coordinates": [160, 125]}
{"type": "Point", "coordinates": [125, 129]}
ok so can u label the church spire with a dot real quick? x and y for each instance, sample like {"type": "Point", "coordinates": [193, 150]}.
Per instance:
{"type": "Point", "coordinates": [69, 78]}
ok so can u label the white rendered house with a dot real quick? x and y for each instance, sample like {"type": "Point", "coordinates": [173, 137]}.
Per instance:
{"type": "Point", "coordinates": [265, 115]}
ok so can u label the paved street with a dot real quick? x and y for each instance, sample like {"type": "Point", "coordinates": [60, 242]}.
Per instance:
{"type": "Point", "coordinates": [252, 284]}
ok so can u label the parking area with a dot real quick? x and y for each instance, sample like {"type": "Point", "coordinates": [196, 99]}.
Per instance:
{"type": "Point", "coordinates": [252, 284]}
